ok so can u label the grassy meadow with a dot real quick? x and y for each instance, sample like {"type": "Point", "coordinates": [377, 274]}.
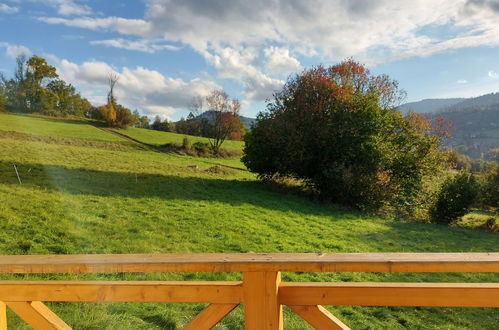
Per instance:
{"type": "Point", "coordinates": [158, 138]}
{"type": "Point", "coordinates": [85, 190]}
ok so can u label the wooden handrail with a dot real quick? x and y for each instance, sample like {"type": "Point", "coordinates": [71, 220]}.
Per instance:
{"type": "Point", "coordinates": [249, 262]}
{"type": "Point", "coordinates": [261, 291]}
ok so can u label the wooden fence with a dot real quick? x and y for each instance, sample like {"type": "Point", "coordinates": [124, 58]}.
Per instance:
{"type": "Point", "coordinates": [261, 291]}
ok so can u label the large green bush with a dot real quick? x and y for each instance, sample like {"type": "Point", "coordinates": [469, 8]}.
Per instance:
{"type": "Point", "coordinates": [335, 128]}
{"type": "Point", "coordinates": [455, 198]}
{"type": "Point", "coordinates": [489, 194]}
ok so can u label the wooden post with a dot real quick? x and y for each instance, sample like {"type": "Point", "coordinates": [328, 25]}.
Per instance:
{"type": "Point", "coordinates": [3, 316]}
{"type": "Point", "coordinates": [262, 310]}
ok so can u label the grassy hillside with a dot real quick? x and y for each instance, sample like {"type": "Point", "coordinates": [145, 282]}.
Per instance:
{"type": "Point", "coordinates": [86, 198]}
{"type": "Point", "coordinates": [55, 127]}
{"type": "Point", "coordinates": [158, 138]}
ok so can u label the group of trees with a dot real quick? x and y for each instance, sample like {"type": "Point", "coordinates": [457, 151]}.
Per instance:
{"type": "Point", "coordinates": [36, 87]}
{"type": "Point", "coordinates": [113, 113]}
{"type": "Point", "coordinates": [216, 117]}
{"type": "Point", "coordinates": [337, 130]}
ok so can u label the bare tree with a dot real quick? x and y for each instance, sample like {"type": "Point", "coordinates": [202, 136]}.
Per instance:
{"type": "Point", "coordinates": [112, 79]}
{"type": "Point", "coordinates": [196, 105]}
{"type": "Point", "coordinates": [224, 117]}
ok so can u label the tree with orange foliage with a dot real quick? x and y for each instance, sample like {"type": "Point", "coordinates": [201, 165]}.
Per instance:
{"type": "Point", "coordinates": [223, 118]}
{"type": "Point", "coordinates": [337, 129]}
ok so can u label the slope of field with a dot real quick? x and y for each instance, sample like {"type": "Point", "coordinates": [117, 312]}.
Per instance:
{"type": "Point", "coordinates": [55, 127]}
{"type": "Point", "coordinates": [84, 199]}
{"type": "Point", "coordinates": [158, 138]}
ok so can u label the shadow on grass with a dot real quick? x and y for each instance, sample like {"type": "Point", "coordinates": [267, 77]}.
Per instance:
{"type": "Point", "coordinates": [392, 235]}
{"type": "Point", "coordinates": [103, 183]}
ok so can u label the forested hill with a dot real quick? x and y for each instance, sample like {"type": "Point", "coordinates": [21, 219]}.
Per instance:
{"type": "Point", "coordinates": [476, 127]}
{"type": "Point", "coordinates": [476, 121]}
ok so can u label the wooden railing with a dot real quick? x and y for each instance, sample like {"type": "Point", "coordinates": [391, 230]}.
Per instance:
{"type": "Point", "coordinates": [261, 291]}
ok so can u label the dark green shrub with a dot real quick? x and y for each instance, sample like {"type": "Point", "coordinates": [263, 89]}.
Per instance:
{"type": "Point", "coordinates": [202, 148]}
{"type": "Point", "coordinates": [489, 194]}
{"type": "Point", "coordinates": [335, 130]}
{"type": "Point", "coordinates": [456, 196]}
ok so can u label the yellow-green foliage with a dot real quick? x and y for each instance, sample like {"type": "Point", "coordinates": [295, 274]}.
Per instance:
{"type": "Point", "coordinates": [108, 113]}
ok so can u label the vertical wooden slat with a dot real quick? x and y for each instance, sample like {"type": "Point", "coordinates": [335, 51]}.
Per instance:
{"type": "Point", "coordinates": [37, 315]}
{"type": "Point", "coordinates": [210, 316]}
{"type": "Point", "coordinates": [318, 317]}
{"type": "Point", "coordinates": [3, 316]}
{"type": "Point", "coordinates": [262, 310]}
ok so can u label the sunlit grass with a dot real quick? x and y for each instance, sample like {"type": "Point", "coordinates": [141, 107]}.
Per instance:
{"type": "Point", "coordinates": [85, 199]}
{"type": "Point", "coordinates": [54, 127]}
{"type": "Point", "coordinates": [158, 138]}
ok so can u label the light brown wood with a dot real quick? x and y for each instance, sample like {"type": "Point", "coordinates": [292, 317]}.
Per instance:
{"type": "Point", "coordinates": [262, 310]}
{"type": "Point", "coordinates": [122, 291]}
{"type": "Point", "coordinates": [3, 316]}
{"type": "Point", "coordinates": [38, 316]}
{"type": "Point", "coordinates": [210, 316]}
{"type": "Point", "coordinates": [391, 294]}
{"type": "Point", "coordinates": [250, 262]}
{"type": "Point", "coordinates": [319, 317]}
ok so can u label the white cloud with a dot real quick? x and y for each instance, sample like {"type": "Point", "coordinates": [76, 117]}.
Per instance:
{"type": "Point", "coordinates": [6, 9]}
{"type": "Point", "coordinates": [118, 24]}
{"type": "Point", "coordinates": [138, 88]}
{"type": "Point", "coordinates": [493, 74]}
{"type": "Point", "coordinates": [67, 7]}
{"type": "Point", "coordinates": [462, 81]}
{"type": "Point", "coordinates": [364, 29]}
{"type": "Point", "coordinates": [13, 51]}
{"type": "Point", "coordinates": [257, 43]}
{"type": "Point", "coordinates": [279, 62]}
{"type": "Point", "coordinates": [138, 45]}
{"type": "Point", "coordinates": [241, 66]}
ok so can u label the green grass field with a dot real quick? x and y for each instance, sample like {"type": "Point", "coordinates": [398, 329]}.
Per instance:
{"type": "Point", "coordinates": [157, 138]}
{"type": "Point", "coordinates": [54, 127]}
{"type": "Point", "coordinates": [81, 198]}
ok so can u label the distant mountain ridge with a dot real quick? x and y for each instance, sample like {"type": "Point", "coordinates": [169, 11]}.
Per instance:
{"type": "Point", "coordinates": [247, 121]}
{"type": "Point", "coordinates": [429, 105]}
{"type": "Point", "coordinates": [450, 104]}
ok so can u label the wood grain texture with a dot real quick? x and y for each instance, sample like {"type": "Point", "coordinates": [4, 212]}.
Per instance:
{"type": "Point", "coordinates": [38, 316]}
{"type": "Point", "coordinates": [262, 310]}
{"type": "Point", "coordinates": [122, 291]}
{"type": "Point", "coordinates": [210, 316]}
{"type": "Point", "coordinates": [391, 294]}
{"type": "Point", "coordinates": [250, 262]}
{"type": "Point", "coordinates": [318, 317]}
{"type": "Point", "coordinates": [3, 316]}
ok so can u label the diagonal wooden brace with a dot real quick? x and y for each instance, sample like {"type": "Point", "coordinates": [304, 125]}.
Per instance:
{"type": "Point", "coordinates": [210, 316]}
{"type": "Point", "coordinates": [37, 315]}
{"type": "Point", "coordinates": [318, 317]}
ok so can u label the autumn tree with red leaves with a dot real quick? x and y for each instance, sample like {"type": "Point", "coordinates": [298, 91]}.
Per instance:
{"type": "Point", "coordinates": [336, 129]}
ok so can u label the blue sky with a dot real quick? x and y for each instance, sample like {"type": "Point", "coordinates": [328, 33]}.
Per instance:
{"type": "Point", "coordinates": [169, 51]}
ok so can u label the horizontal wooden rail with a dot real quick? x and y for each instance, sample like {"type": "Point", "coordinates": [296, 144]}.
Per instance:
{"type": "Point", "coordinates": [289, 293]}
{"type": "Point", "coordinates": [123, 291]}
{"type": "Point", "coordinates": [391, 294]}
{"type": "Point", "coordinates": [261, 291]}
{"type": "Point", "coordinates": [252, 262]}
